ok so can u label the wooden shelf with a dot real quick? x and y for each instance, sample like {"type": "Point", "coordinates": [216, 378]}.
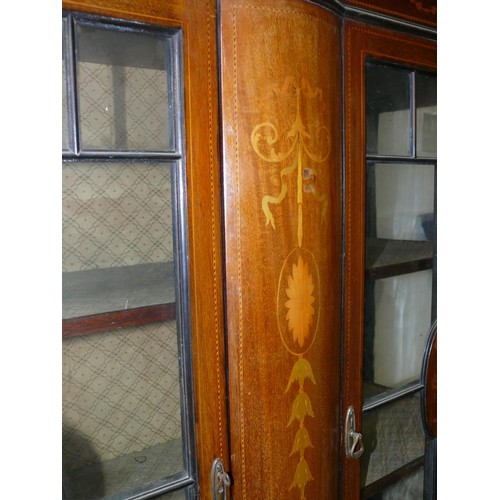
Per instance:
{"type": "Point", "coordinates": [386, 258]}
{"type": "Point", "coordinates": [376, 395]}
{"type": "Point", "coordinates": [102, 299]}
{"type": "Point", "coordinates": [84, 325]}
{"type": "Point", "coordinates": [124, 473]}
{"type": "Point", "coordinates": [377, 487]}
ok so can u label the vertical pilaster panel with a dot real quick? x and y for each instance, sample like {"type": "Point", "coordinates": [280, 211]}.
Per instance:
{"type": "Point", "coordinates": [281, 98]}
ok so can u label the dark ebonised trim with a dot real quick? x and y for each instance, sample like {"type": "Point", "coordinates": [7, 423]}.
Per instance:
{"type": "Point", "coordinates": [377, 18]}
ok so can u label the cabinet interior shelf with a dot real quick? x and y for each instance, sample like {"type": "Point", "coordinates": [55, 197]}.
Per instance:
{"type": "Point", "coordinates": [378, 487]}
{"type": "Point", "coordinates": [386, 258]}
{"type": "Point", "coordinates": [102, 299]}
{"type": "Point", "coordinates": [125, 472]}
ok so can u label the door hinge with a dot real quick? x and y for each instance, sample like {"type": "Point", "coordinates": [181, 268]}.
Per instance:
{"type": "Point", "coordinates": [220, 480]}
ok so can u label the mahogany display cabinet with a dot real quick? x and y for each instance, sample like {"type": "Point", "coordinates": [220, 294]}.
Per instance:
{"type": "Point", "coordinates": [249, 249]}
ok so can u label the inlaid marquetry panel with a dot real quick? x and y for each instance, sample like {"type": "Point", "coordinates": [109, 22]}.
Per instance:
{"type": "Point", "coordinates": [281, 132]}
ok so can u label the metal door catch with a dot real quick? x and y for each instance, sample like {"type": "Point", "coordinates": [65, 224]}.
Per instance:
{"type": "Point", "coordinates": [220, 480]}
{"type": "Point", "coordinates": [354, 447]}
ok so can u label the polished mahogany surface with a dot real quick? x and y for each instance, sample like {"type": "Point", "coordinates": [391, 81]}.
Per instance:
{"type": "Point", "coordinates": [281, 95]}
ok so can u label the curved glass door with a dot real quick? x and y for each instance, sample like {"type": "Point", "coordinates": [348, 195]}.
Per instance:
{"type": "Point", "coordinates": [400, 274]}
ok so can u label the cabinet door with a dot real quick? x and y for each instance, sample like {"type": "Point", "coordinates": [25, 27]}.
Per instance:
{"type": "Point", "coordinates": [390, 264]}
{"type": "Point", "coordinates": [143, 345]}
{"type": "Point", "coordinates": [281, 127]}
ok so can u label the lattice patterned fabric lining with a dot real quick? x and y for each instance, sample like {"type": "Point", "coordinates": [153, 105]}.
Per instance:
{"type": "Point", "coordinates": [134, 98]}
{"type": "Point", "coordinates": [393, 437]}
{"type": "Point", "coordinates": [116, 214]}
{"type": "Point", "coordinates": [125, 473]}
{"type": "Point", "coordinates": [408, 488]}
{"type": "Point", "coordinates": [120, 393]}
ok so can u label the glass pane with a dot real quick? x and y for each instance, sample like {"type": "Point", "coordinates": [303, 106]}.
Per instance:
{"type": "Point", "coordinates": [388, 112]}
{"type": "Point", "coordinates": [65, 130]}
{"type": "Point", "coordinates": [117, 236]}
{"type": "Point", "coordinates": [393, 437]}
{"type": "Point", "coordinates": [121, 410]}
{"type": "Point", "coordinates": [426, 102]}
{"type": "Point", "coordinates": [402, 201]}
{"type": "Point", "coordinates": [125, 90]}
{"type": "Point", "coordinates": [410, 487]}
{"type": "Point", "coordinates": [397, 322]}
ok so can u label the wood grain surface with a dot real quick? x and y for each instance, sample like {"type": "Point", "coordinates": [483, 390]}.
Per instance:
{"type": "Point", "coordinates": [281, 100]}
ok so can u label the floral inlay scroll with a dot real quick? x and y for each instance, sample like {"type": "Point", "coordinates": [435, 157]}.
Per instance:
{"type": "Point", "coordinates": [298, 317]}
{"type": "Point", "coordinates": [301, 150]}
{"type": "Point", "coordinates": [300, 304]}
{"type": "Point", "coordinates": [298, 143]}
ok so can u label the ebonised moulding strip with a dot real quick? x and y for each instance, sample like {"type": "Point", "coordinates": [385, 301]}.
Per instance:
{"type": "Point", "coordinates": [393, 22]}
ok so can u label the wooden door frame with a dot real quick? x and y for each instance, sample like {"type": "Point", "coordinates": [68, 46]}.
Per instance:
{"type": "Point", "coordinates": [362, 41]}
{"type": "Point", "coordinates": [197, 20]}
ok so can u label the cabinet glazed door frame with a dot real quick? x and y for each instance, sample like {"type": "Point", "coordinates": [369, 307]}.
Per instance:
{"type": "Point", "coordinates": [197, 21]}
{"type": "Point", "coordinates": [361, 42]}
